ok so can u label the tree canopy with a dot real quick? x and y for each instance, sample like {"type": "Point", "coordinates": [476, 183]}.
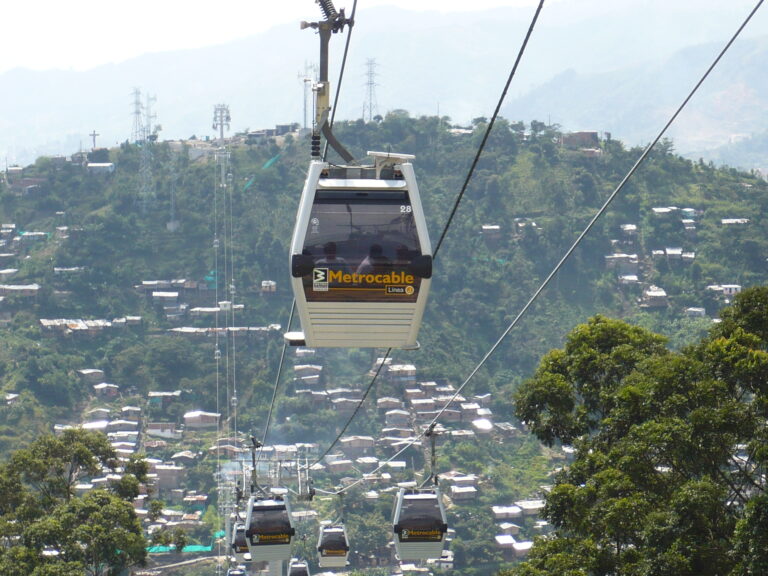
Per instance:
{"type": "Point", "coordinates": [668, 476]}
{"type": "Point", "coordinates": [57, 532]}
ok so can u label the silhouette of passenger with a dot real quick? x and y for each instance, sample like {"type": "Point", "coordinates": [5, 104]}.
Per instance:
{"type": "Point", "coordinates": [331, 259]}
{"type": "Point", "coordinates": [374, 262]}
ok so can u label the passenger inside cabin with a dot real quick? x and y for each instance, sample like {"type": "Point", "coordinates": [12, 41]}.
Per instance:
{"type": "Point", "coordinates": [375, 262]}
{"type": "Point", "coordinates": [331, 259]}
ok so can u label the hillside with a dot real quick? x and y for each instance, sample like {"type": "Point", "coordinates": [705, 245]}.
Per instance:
{"type": "Point", "coordinates": [98, 247]}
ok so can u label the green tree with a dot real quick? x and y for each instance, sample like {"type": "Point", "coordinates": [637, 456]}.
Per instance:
{"type": "Point", "coordinates": [670, 449]}
{"type": "Point", "coordinates": [52, 530]}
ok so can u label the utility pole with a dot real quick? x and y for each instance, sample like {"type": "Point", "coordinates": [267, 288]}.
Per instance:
{"type": "Point", "coordinates": [93, 136]}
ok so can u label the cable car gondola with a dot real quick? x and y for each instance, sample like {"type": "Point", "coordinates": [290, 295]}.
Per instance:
{"type": "Point", "coordinates": [361, 260]}
{"type": "Point", "coordinates": [332, 547]}
{"type": "Point", "coordinates": [296, 568]}
{"type": "Point", "coordinates": [240, 543]}
{"type": "Point", "coordinates": [268, 529]}
{"type": "Point", "coordinates": [419, 524]}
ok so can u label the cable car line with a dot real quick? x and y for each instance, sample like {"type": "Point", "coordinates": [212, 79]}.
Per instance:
{"type": "Point", "coordinates": [335, 22]}
{"type": "Point", "coordinates": [464, 187]}
{"type": "Point", "coordinates": [488, 129]}
{"type": "Point", "coordinates": [570, 251]}
{"type": "Point", "coordinates": [531, 27]}
{"type": "Point", "coordinates": [277, 385]}
{"type": "Point", "coordinates": [357, 409]}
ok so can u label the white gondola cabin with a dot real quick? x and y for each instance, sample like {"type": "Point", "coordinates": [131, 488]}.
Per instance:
{"type": "Point", "coordinates": [269, 530]}
{"type": "Point", "coordinates": [297, 568]}
{"type": "Point", "coordinates": [419, 524]}
{"type": "Point", "coordinates": [332, 547]}
{"type": "Point", "coordinates": [240, 543]}
{"type": "Point", "coordinates": [361, 260]}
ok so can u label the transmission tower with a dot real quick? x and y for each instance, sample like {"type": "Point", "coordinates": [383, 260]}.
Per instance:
{"type": "Point", "coordinates": [137, 132]}
{"type": "Point", "coordinates": [221, 119]}
{"type": "Point", "coordinates": [147, 139]}
{"type": "Point", "coordinates": [370, 106]}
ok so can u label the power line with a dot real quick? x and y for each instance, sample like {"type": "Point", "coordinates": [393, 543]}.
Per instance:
{"type": "Point", "coordinates": [341, 74]}
{"type": "Point", "coordinates": [573, 247]}
{"type": "Point", "coordinates": [488, 129]}
{"type": "Point", "coordinates": [357, 409]}
{"type": "Point", "coordinates": [469, 175]}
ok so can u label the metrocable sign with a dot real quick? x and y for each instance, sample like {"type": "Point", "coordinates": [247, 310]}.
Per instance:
{"type": "Point", "coordinates": [388, 278]}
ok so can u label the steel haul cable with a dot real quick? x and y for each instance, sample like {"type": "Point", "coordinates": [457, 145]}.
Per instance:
{"type": "Point", "coordinates": [576, 243]}
{"type": "Point", "coordinates": [461, 193]}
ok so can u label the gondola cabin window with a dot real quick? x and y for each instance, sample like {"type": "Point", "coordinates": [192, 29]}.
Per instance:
{"type": "Point", "coordinates": [365, 247]}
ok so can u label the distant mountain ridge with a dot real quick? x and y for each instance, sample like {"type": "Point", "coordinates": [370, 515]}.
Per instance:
{"type": "Point", "coordinates": [627, 60]}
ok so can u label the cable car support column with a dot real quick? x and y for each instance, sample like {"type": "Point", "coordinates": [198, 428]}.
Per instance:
{"type": "Point", "coordinates": [334, 22]}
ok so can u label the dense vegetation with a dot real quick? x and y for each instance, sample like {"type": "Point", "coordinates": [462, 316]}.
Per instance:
{"type": "Point", "coordinates": [540, 192]}
{"type": "Point", "coordinates": [669, 471]}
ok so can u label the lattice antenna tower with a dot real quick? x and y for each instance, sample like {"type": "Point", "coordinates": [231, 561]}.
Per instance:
{"type": "Point", "coordinates": [370, 105]}
{"type": "Point", "coordinates": [221, 119]}
{"type": "Point", "coordinates": [137, 132]}
{"type": "Point", "coordinates": [146, 179]}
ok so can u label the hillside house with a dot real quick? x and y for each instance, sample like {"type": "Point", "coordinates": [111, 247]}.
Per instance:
{"type": "Point", "coordinates": [530, 507]}
{"type": "Point", "coordinates": [357, 442]}
{"type": "Point", "coordinates": [197, 419]}
{"type": "Point", "coordinates": [91, 375]}
{"type": "Point", "coordinates": [622, 263]}
{"type": "Point", "coordinates": [160, 399]}
{"type": "Point", "coordinates": [168, 476]}
{"type": "Point", "coordinates": [122, 425]}
{"type": "Point", "coordinates": [106, 390]}
{"type": "Point", "coordinates": [100, 167]}
{"type": "Point", "coordinates": [511, 548]}
{"type": "Point", "coordinates": [482, 426]}
{"type": "Point", "coordinates": [404, 374]}
{"type": "Point", "coordinates": [20, 290]}
{"type": "Point", "coordinates": [734, 221]}
{"type": "Point", "coordinates": [130, 413]}
{"type": "Point", "coordinates": [397, 418]}
{"type": "Point", "coordinates": [509, 512]}
{"type": "Point", "coordinates": [462, 493]}
{"type": "Point", "coordinates": [654, 297]}
{"type": "Point", "coordinates": [695, 312]}
{"type": "Point", "coordinates": [389, 403]}
{"type": "Point", "coordinates": [345, 406]}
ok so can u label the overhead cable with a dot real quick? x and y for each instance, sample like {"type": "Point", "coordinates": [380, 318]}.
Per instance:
{"type": "Point", "coordinates": [576, 243]}
{"type": "Point", "coordinates": [488, 129]}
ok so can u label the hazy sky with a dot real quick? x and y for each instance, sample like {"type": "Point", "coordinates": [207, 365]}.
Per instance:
{"type": "Point", "coordinates": [82, 34]}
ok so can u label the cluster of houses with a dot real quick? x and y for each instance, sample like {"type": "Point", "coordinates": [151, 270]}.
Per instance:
{"type": "Point", "coordinates": [628, 266]}
{"type": "Point", "coordinates": [182, 298]}
{"type": "Point", "coordinates": [405, 416]}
